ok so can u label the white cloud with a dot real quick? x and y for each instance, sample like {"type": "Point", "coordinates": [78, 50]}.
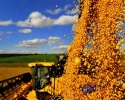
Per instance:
{"type": "Point", "coordinates": [25, 31]}
{"type": "Point", "coordinates": [9, 32]}
{"type": "Point", "coordinates": [66, 19]}
{"type": "Point", "coordinates": [36, 19]}
{"type": "Point", "coordinates": [56, 11]}
{"type": "Point", "coordinates": [7, 36]}
{"type": "Point", "coordinates": [3, 51]}
{"type": "Point", "coordinates": [0, 39]}
{"type": "Point", "coordinates": [54, 40]}
{"type": "Point", "coordinates": [74, 11]}
{"type": "Point", "coordinates": [34, 43]}
{"type": "Point", "coordinates": [60, 48]}
{"type": "Point", "coordinates": [1, 33]}
{"type": "Point", "coordinates": [39, 20]}
{"type": "Point", "coordinates": [67, 6]}
{"type": "Point", "coordinates": [25, 23]}
{"type": "Point", "coordinates": [6, 23]}
{"type": "Point", "coordinates": [24, 51]}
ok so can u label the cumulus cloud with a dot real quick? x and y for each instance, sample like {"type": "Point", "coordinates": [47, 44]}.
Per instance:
{"type": "Point", "coordinates": [3, 51]}
{"type": "Point", "coordinates": [74, 11]}
{"type": "Point", "coordinates": [66, 19]}
{"type": "Point", "coordinates": [25, 31]}
{"type": "Point", "coordinates": [71, 11]}
{"type": "Point", "coordinates": [36, 19]}
{"type": "Point", "coordinates": [34, 43]}
{"type": "Point", "coordinates": [60, 48]}
{"type": "Point", "coordinates": [25, 23]}
{"type": "Point", "coordinates": [6, 23]}
{"type": "Point", "coordinates": [66, 9]}
{"type": "Point", "coordinates": [39, 20]}
{"type": "Point", "coordinates": [24, 51]}
{"type": "Point", "coordinates": [54, 40]}
{"type": "Point", "coordinates": [9, 32]}
{"type": "Point", "coordinates": [56, 11]}
{"type": "Point", "coordinates": [67, 6]}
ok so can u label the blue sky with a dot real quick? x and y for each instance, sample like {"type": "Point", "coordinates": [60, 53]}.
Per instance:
{"type": "Point", "coordinates": [41, 26]}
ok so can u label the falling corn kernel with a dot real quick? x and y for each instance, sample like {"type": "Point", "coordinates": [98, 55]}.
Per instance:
{"type": "Point", "coordinates": [69, 48]}
{"type": "Point", "coordinates": [96, 48]}
{"type": "Point", "coordinates": [123, 86]}
{"type": "Point", "coordinates": [77, 61]}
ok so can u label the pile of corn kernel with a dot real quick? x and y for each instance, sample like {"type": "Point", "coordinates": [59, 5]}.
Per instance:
{"type": "Point", "coordinates": [99, 34]}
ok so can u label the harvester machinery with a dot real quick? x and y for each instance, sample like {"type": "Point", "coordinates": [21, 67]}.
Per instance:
{"type": "Point", "coordinates": [43, 83]}
{"type": "Point", "coordinates": [40, 84]}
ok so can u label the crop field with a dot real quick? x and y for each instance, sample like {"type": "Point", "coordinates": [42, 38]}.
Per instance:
{"type": "Point", "coordinates": [11, 72]}
{"type": "Point", "coordinates": [27, 58]}
{"type": "Point", "coordinates": [12, 65]}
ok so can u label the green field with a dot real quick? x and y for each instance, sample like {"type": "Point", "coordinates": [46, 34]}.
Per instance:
{"type": "Point", "coordinates": [22, 60]}
{"type": "Point", "coordinates": [16, 64]}
{"type": "Point", "coordinates": [28, 58]}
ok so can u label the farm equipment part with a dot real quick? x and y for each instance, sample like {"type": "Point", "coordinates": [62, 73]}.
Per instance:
{"type": "Point", "coordinates": [42, 83]}
{"type": "Point", "coordinates": [9, 86]}
{"type": "Point", "coordinates": [45, 78]}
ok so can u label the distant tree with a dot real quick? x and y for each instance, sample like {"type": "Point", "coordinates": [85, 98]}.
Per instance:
{"type": "Point", "coordinates": [35, 53]}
